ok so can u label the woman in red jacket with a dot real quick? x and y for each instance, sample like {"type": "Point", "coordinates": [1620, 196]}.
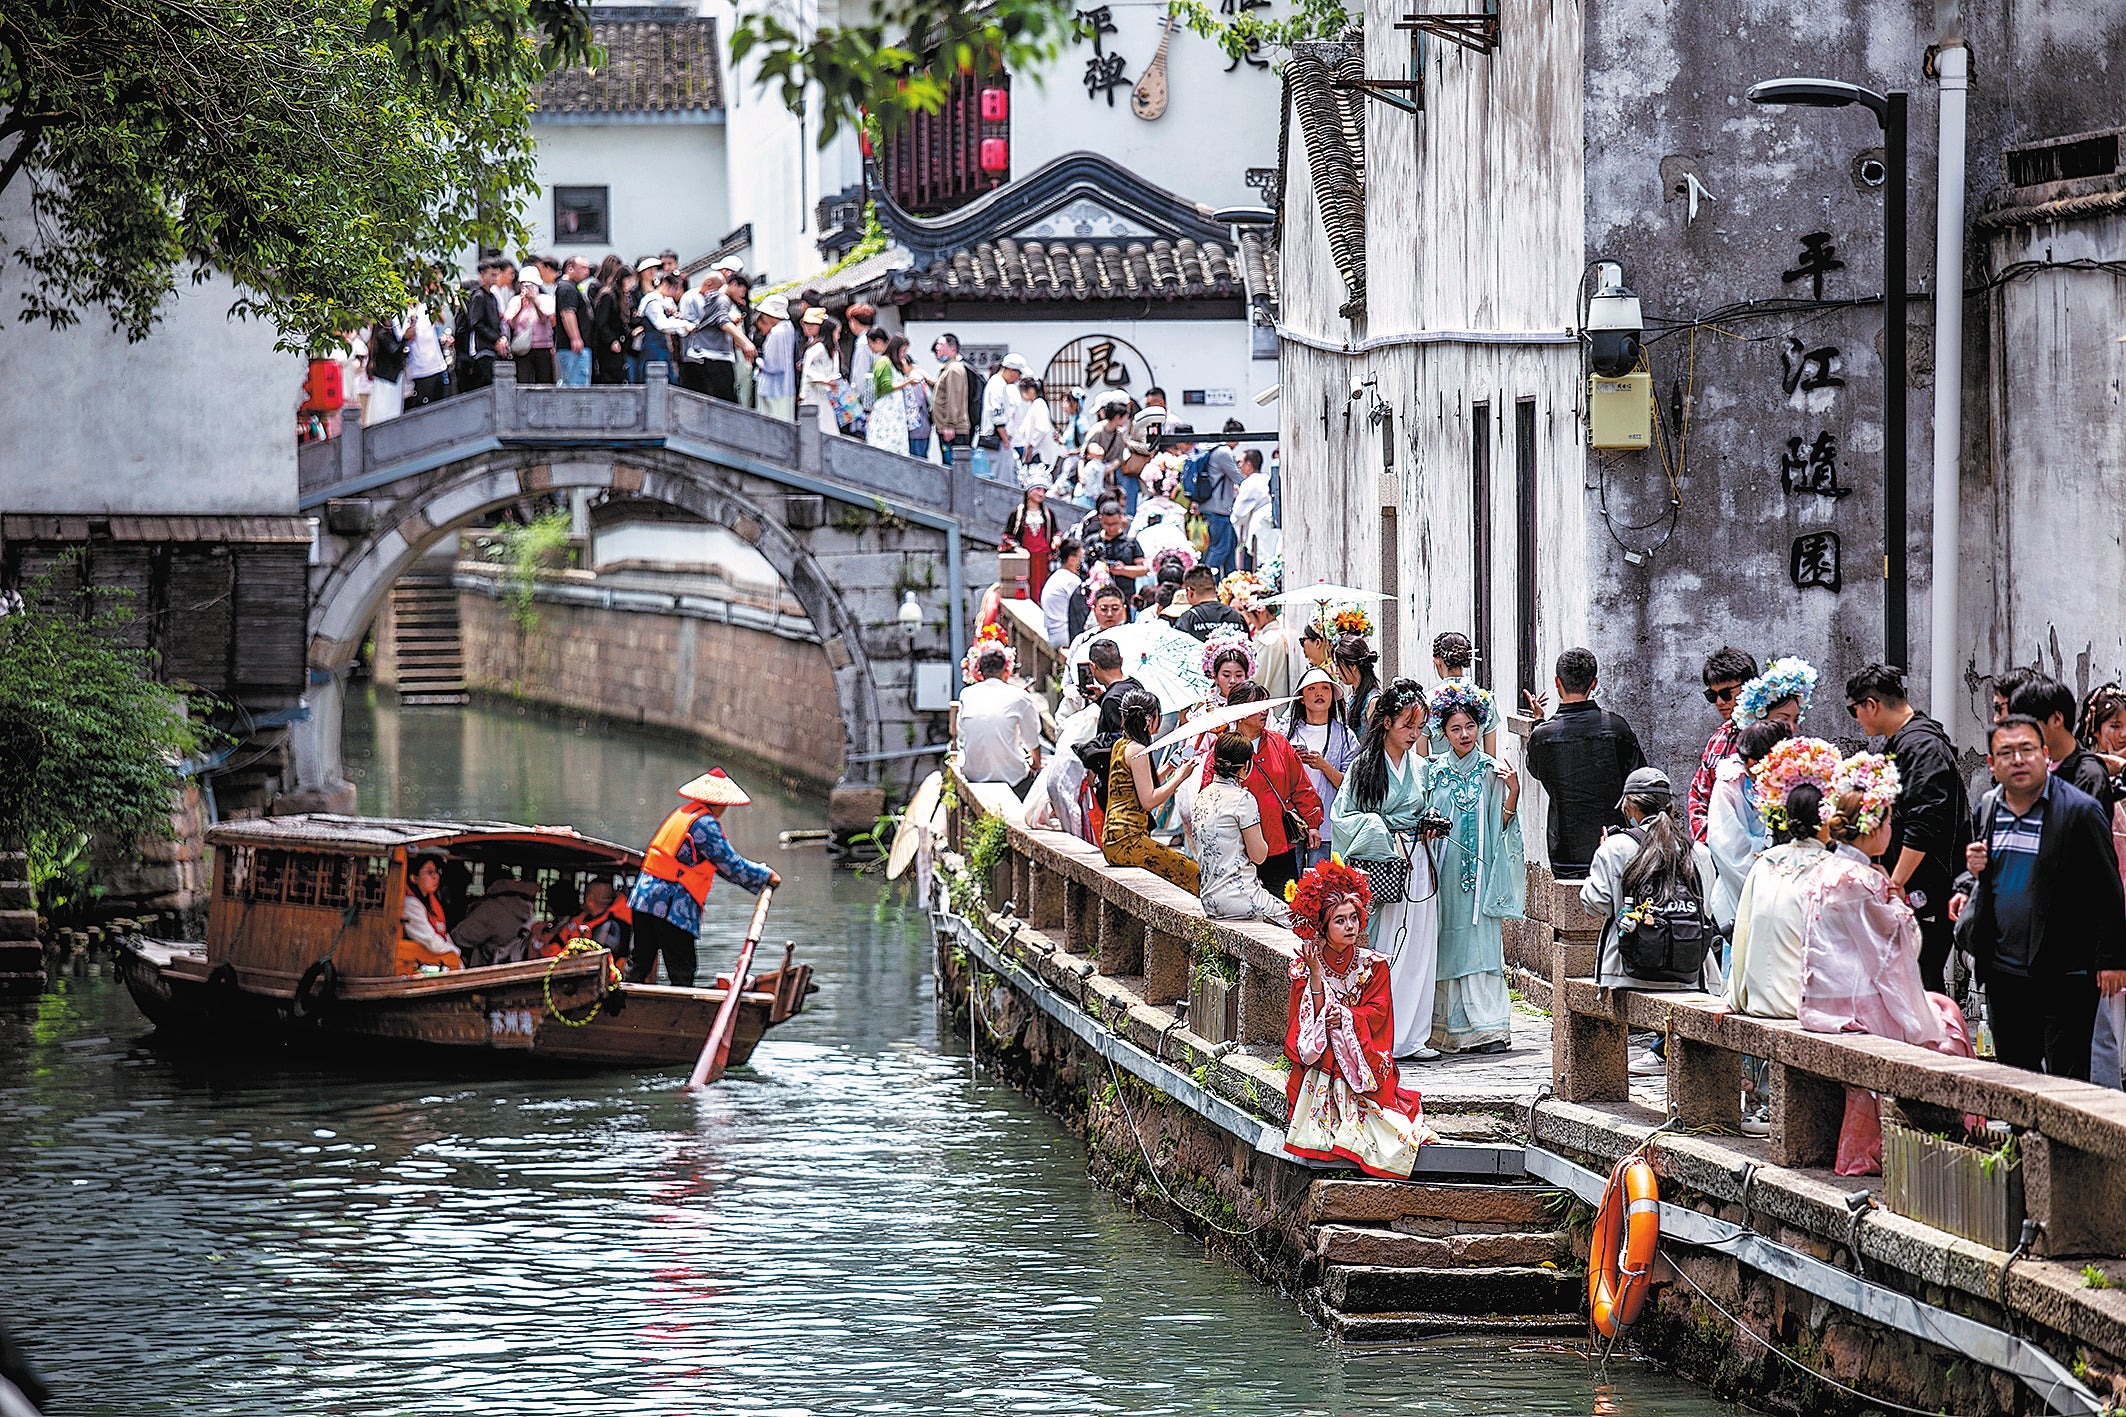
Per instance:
{"type": "Point", "coordinates": [1279, 782]}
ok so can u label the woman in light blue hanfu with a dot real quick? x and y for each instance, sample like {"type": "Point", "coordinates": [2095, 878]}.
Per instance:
{"type": "Point", "coordinates": [1373, 825]}
{"type": "Point", "coordinates": [1483, 873]}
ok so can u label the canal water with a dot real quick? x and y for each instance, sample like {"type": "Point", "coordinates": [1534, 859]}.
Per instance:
{"type": "Point", "coordinates": [850, 1224]}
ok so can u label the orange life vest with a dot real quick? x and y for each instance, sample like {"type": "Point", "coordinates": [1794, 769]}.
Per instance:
{"type": "Point", "coordinates": [662, 859]}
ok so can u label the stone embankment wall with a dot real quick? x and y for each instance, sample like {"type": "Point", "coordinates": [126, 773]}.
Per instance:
{"type": "Point", "coordinates": [1083, 951]}
{"type": "Point", "coordinates": [750, 691]}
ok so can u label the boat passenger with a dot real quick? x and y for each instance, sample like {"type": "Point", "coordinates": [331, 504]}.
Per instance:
{"type": "Point", "coordinates": [498, 929]}
{"type": "Point", "coordinates": [604, 920]}
{"type": "Point", "coordinates": [677, 871]}
{"type": "Point", "coordinates": [423, 938]}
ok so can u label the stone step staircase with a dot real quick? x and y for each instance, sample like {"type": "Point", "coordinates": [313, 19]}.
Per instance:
{"type": "Point", "coordinates": [1398, 1261]}
{"type": "Point", "coordinates": [424, 627]}
{"type": "Point", "coordinates": [21, 955]}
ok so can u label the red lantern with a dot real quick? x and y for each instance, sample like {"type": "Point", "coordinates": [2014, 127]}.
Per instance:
{"type": "Point", "coordinates": [321, 389]}
{"type": "Point", "coordinates": [996, 105]}
{"type": "Point", "coordinates": [996, 155]}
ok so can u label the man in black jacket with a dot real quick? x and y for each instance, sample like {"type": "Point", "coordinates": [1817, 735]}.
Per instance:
{"type": "Point", "coordinates": [1932, 821]}
{"type": "Point", "coordinates": [2041, 911]}
{"type": "Point", "coordinates": [2052, 704]}
{"type": "Point", "coordinates": [1582, 758]}
{"type": "Point", "coordinates": [480, 330]}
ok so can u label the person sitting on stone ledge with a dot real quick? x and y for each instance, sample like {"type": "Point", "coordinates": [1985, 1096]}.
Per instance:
{"type": "Point", "coordinates": [1347, 1099]}
{"type": "Point", "coordinates": [1226, 821]}
{"type": "Point", "coordinates": [1133, 794]}
{"type": "Point", "coordinates": [423, 937]}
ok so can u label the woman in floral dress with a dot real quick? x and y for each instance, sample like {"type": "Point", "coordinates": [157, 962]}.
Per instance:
{"type": "Point", "coordinates": [1347, 1100]}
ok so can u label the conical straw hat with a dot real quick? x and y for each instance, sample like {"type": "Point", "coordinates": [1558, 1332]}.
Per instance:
{"type": "Point", "coordinates": [715, 788]}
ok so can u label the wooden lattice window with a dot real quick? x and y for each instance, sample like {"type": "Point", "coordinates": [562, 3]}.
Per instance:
{"type": "Point", "coordinates": [934, 163]}
{"type": "Point", "coordinates": [268, 876]}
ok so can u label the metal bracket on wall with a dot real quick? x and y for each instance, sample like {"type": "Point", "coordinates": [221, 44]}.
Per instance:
{"type": "Point", "coordinates": [1406, 94]}
{"type": "Point", "coordinates": [1477, 30]}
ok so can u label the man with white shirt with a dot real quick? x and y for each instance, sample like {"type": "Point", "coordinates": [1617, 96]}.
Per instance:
{"type": "Point", "coordinates": [713, 343]}
{"type": "Point", "coordinates": [1250, 502]}
{"type": "Point", "coordinates": [992, 432]}
{"type": "Point", "coordinates": [425, 364]}
{"type": "Point", "coordinates": [999, 727]}
{"type": "Point", "coordinates": [1063, 582]}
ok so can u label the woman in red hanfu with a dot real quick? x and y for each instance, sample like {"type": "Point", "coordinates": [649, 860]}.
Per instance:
{"type": "Point", "coordinates": [1347, 1102]}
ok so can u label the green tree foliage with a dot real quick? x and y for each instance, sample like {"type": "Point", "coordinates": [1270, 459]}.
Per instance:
{"type": "Point", "coordinates": [89, 741]}
{"type": "Point", "coordinates": [331, 157]}
{"type": "Point", "coordinates": [1248, 33]}
{"type": "Point", "coordinates": [903, 59]}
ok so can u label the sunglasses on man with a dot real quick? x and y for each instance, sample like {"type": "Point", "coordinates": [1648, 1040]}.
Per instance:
{"type": "Point", "coordinates": [1722, 695]}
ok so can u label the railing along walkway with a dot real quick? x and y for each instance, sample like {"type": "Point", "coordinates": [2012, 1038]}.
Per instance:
{"type": "Point", "coordinates": [655, 414]}
{"type": "Point", "coordinates": [2072, 1134]}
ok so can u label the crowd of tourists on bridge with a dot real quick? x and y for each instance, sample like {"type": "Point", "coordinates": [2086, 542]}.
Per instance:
{"type": "Point", "coordinates": [790, 354]}
{"type": "Point", "coordinates": [1886, 891]}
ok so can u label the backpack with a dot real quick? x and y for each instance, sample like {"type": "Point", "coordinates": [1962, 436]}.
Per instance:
{"type": "Point", "coordinates": [1670, 938]}
{"type": "Point", "coordinates": [1193, 467]}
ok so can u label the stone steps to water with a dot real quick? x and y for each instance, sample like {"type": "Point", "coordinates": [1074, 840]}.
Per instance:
{"type": "Point", "coordinates": [425, 641]}
{"type": "Point", "coordinates": [1364, 1245]}
{"type": "Point", "coordinates": [1477, 1290]}
{"type": "Point", "coordinates": [1403, 1260]}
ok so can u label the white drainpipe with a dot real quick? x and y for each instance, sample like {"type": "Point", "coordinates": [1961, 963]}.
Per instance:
{"type": "Point", "coordinates": [1953, 63]}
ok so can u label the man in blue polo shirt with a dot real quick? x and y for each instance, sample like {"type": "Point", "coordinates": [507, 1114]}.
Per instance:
{"type": "Point", "coordinates": [2041, 911]}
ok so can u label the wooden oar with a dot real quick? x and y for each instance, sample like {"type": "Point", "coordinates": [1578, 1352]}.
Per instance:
{"type": "Point", "coordinates": [717, 1050]}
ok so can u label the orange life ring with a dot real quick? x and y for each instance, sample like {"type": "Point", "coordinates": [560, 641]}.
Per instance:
{"type": "Point", "coordinates": [1621, 1256]}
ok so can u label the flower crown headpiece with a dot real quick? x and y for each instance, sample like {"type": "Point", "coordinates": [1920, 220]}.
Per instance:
{"type": "Point", "coordinates": [1098, 574]}
{"type": "Point", "coordinates": [1451, 698]}
{"type": "Point", "coordinates": [1351, 620]}
{"type": "Point", "coordinates": [1272, 573]}
{"type": "Point", "coordinates": [1789, 678]}
{"type": "Point", "coordinates": [1233, 643]}
{"type": "Point", "coordinates": [1184, 554]}
{"type": "Point", "coordinates": [991, 638]}
{"type": "Point", "coordinates": [1877, 780]}
{"type": "Point", "coordinates": [1243, 590]}
{"type": "Point", "coordinates": [1791, 763]}
{"type": "Point", "coordinates": [1316, 895]}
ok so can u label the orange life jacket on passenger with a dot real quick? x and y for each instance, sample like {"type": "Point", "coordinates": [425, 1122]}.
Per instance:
{"type": "Point", "coordinates": [662, 859]}
{"type": "Point", "coordinates": [435, 914]}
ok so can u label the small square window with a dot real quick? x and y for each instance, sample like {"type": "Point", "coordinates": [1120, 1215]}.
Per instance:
{"type": "Point", "coordinates": [581, 216]}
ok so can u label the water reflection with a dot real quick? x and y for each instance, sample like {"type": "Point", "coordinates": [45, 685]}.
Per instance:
{"type": "Point", "coordinates": [847, 1225]}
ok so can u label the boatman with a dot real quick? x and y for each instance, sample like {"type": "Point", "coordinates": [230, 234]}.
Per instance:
{"type": "Point", "coordinates": [677, 870]}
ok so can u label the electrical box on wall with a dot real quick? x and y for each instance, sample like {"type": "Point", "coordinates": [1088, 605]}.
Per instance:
{"type": "Point", "coordinates": [1620, 411]}
{"type": "Point", "coordinates": [933, 686]}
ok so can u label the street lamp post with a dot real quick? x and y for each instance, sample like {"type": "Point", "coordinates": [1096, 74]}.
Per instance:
{"type": "Point", "coordinates": [1889, 111]}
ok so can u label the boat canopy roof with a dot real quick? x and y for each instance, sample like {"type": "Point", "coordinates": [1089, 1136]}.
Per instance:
{"type": "Point", "coordinates": [474, 841]}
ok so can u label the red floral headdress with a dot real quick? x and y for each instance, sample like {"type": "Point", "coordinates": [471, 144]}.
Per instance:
{"type": "Point", "coordinates": [1324, 888]}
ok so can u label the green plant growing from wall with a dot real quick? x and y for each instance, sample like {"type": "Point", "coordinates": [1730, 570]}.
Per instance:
{"type": "Point", "coordinates": [90, 742]}
{"type": "Point", "coordinates": [1209, 962]}
{"type": "Point", "coordinates": [986, 846]}
{"type": "Point", "coordinates": [525, 550]}
{"type": "Point", "coordinates": [2094, 1278]}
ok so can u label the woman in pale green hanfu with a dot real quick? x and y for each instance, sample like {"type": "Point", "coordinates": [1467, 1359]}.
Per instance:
{"type": "Point", "coordinates": [1373, 826]}
{"type": "Point", "coordinates": [1483, 872]}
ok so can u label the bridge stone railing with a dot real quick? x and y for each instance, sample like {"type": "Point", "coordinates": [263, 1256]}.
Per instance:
{"type": "Point", "coordinates": [654, 414]}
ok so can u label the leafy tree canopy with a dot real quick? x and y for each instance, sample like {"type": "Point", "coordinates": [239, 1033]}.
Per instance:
{"type": "Point", "coordinates": [332, 157]}
{"type": "Point", "coordinates": [902, 59]}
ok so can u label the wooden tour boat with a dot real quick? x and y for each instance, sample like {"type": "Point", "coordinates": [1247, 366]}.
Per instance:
{"type": "Point", "coordinates": [301, 937]}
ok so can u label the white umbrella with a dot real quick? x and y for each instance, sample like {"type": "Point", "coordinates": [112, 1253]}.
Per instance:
{"type": "Point", "coordinates": [1158, 656]}
{"type": "Point", "coordinates": [1213, 721]}
{"type": "Point", "coordinates": [1323, 593]}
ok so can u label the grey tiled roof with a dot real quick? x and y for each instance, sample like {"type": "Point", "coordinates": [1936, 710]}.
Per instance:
{"type": "Point", "coordinates": [1258, 260]}
{"type": "Point", "coordinates": [651, 66]}
{"type": "Point", "coordinates": [1033, 271]}
{"type": "Point", "coordinates": [1332, 123]}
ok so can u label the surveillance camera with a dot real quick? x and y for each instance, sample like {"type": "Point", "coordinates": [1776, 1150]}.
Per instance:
{"type": "Point", "coordinates": [1269, 396]}
{"type": "Point", "coordinates": [1614, 324]}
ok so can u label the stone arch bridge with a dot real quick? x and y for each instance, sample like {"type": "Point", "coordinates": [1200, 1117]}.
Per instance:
{"type": "Point", "coordinates": [847, 526]}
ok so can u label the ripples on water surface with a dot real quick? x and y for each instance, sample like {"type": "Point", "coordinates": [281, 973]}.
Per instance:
{"type": "Point", "coordinates": [845, 1226]}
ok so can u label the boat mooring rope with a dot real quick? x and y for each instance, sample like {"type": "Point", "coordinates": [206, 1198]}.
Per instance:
{"type": "Point", "coordinates": [577, 946]}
